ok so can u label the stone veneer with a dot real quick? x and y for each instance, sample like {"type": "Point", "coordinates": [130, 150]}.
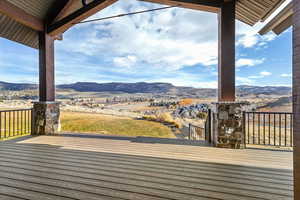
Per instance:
{"type": "Point", "coordinates": [228, 125]}
{"type": "Point", "coordinates": [46, 118]}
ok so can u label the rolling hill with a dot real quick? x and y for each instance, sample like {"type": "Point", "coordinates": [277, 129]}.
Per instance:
{"type": "Point", "coordinates": [154, 88]}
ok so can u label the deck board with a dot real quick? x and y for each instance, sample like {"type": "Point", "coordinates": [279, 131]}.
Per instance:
{"type": "Point", "coordinates": [74, 166]}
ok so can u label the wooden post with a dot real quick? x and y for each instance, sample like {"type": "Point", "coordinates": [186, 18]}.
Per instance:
{"type": "Point", "coordinates": [46, 112]}
{"type": "Point", "coordinates": [296, 96]}
{"type": "Point", "coordinates": [46, 68]}
{"type": "Point", "coordinates": [226, 67]}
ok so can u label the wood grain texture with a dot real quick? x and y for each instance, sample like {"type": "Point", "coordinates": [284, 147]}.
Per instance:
{"type": "Point", "coordinates": [226, 53]}
{"type": "Point", "coordinates": [77, 166]}
{"type": "Point", "coordinates": [82, 13]}
{"type": "Point", "coordinates": [46, 68]}
{"type": "Point", "coordinates": [209, 6]}
{"type": "Point", "coordinates": [296, 96]}
{"type": "Point", "coordinates": [19, 15]}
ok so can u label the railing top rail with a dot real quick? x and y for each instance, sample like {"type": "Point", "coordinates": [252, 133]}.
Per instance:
{"type": "Point", "coordinates": [290, 113]}
{"type": "Point", "coordinates": [192, 125]}
{"type": "Point", "coordinates": [22, 109]}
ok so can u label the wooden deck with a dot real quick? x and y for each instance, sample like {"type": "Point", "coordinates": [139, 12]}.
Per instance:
{"type": "Point", "coordinates": [91, 167]}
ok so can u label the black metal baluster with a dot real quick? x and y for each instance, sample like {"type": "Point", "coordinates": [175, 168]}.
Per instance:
{"type": "Point", "coordinates": [18, 122]}
{"type": "Point", "coordinates": [269, 122]}
{"type": "Point", "coordinates": [25, 122]}
{"type": "Point", "coordinates": [13, 123]}
{"type": "Point", "coordinates": [1, 136]}
{"type": "Point", "coordinates": [244, 127]}
{"type": "Point", "coordinates": [264, 119]}
{"type": "Point", "coordinates": [274, 125]}
{"type": "Point", "coordinates": [285, 125]}
{"type": "Point", "coordinates": [28, 122]}
{"type": "Point", "coordinates": [31, 121]}
{"type": "Point", "coordinates": [5, 125]}
{"type": "Point", "coordinates": [291, 130]}
{"type": "Point", "coordinates": [248, 132]}
{"type": "Point", "coordinates": [258, 128]}
{"type": "Point", "coordinates": [24, 127]}
{"type": "Point", "coordinates": [190, 132]}
{"type": "Point", "coordinates": [21, 112]}
{"type": "Point", "coordinates": [279, 129]}
{"type": "Point", "coordinates": [9, 123]}
{"type": "Point", "coordinates": [253, 128]}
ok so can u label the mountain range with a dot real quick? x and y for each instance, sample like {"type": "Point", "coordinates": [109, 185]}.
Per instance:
{"type": "Point", "coordinates": [155, 88]}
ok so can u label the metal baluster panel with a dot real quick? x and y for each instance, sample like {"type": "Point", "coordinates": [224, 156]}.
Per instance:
{"type": "Point", "coordinates": [269, 128]}
{"type": "Point", "coordinates": [15, 123]}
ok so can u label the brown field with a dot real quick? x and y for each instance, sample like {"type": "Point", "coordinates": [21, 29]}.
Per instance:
{"type": "Point", "coordinates": [283, 108]}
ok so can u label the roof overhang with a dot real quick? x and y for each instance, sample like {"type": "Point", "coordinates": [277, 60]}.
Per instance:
{"type": "Point", "coordinates": [247, 11]}
{"type": "Point", "coordinates": [282, 21]}
{"type": "Point", "coordinates": [203, 5]}
{"type": "Point", "coordinates": [253, 11]}
{"type": "Point", "coordinates": [57, 16]}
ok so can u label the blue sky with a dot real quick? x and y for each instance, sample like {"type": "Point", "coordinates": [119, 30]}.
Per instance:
{"type": "Point", "coordinates": [174, 45]}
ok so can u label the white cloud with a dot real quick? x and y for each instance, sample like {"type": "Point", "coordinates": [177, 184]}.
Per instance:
{"type": "Point", "coordinates": [265, 73]}
{"type": "Point", "coordinates": [261, 75]}
{"type": "Point", "coordinates": [171, 38]}
{"type": "Point", "coordinates": [286, 75]}
{"type": "Point", "coordinates": [251, 80]}
{"type": "Point", "coordinates": [249, 62]}
{"type": "Point", "coordinates": [247, 36]}
{"type": "Point", "coordinates": [127, 61]}
{"type": "Point", "coordinates": [154, 44]}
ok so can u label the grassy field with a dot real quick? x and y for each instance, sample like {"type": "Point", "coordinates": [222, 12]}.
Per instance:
{"type": "Point", "coordinates": [112, 125]}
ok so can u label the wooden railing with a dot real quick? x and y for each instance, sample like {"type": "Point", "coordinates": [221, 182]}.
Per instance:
{"type": "Point", "coordinates": [15, 123]}
{"type": "Point", "coordinates": [269, 128]}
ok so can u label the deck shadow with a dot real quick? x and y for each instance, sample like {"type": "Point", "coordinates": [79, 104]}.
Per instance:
{"type": "Point", "coordinates": [140, 139]}
{"type": "Point", "coordinates": [43, 171]}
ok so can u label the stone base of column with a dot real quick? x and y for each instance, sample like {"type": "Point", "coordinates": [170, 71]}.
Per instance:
{"type": "Point", "coordinates": [228, 122]}
{"type": "Point", "coordinates": [46, 118]}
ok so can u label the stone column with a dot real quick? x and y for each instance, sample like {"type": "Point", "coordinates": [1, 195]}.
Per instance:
{"type": "Point", "coordinates": [46, 118]}
{"type": "Point", "coordinates": [228, 122]}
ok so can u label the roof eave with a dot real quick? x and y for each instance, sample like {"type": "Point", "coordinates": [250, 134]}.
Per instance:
{"type": "Point", "coordinates": [281, 22]}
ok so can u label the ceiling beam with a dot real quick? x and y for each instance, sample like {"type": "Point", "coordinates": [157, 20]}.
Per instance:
{"type": "Point", "coordinates": [203, 5]}
{"type": "Point", "coordinates": [19, 15]}
{"type": "Point", "coordinates": [84, 12]}
{"type": "Point", "coordinates": [285, 24]}
{"type": "Point", "coordinates": [67, 9]}
{"type": "Point", "coordinates": [285, 15]}
{"type": "Point", "coordinates": [55, 10]}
